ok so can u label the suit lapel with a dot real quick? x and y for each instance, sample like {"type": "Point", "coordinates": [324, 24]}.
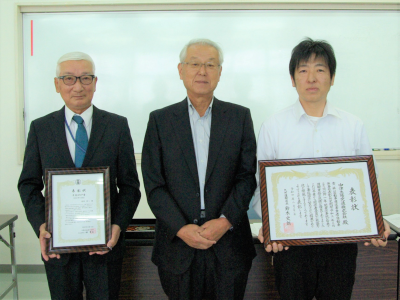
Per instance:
{"type": "Point", "coordinates": [58, 129]}
{"type": "Point", "coordinates": [219, 125]}
{"type": "Point", "coordinates": [183, 133]}
{"type": "Point", "coordinates": [98, 126]}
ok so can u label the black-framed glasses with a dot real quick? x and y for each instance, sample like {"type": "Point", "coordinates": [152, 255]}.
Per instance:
{"type": "Point", "coordinates": [71, 80]}
{"type": "Point", "coordinates": [196, 65]}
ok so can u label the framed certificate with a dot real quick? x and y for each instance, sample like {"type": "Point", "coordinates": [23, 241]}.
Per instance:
{"type": "Point", "coordinates": [320, 201]}
{"type": "Point", "coordinates": [78, 209]}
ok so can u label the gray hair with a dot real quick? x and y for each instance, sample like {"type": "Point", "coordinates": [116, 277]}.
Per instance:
{"type": "Point", "coordinates": [206, 42]}
{"type": "Point", "coordinates": [74, 56]}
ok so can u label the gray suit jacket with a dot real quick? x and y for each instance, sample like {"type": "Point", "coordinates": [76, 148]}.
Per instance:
{"type": "Point", "coordinates": [110, 144]}
{"type": "Point", "coordinates": [172, 184]}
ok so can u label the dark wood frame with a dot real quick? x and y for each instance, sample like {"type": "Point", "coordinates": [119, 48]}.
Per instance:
{"type": "Point", "coordinates": [312, 161]}
{"type": "Point", "coordinates": [49, 208]}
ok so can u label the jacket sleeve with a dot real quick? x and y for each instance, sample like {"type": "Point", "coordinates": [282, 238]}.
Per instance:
{"type": "Point", "coordinates": [159, 198]}
{"type": "Point", "coordinates": [30, 184]}
{"type": "Point", "coordinates": [237, 203]}
{"type": "Point", "coordinates": [127, 180]}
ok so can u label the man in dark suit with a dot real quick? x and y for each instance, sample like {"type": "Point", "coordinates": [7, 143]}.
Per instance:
{"type": "Point", "coordinates": [199, 165]}
{"type": "Point", "coordinates": [81, 135]}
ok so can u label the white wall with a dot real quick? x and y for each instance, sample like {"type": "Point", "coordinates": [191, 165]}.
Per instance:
{"type": "Point", "coordinates": [11, 132]}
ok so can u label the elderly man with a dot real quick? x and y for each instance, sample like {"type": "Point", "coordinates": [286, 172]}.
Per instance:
{"type": "Point", "coordinates": [198, 165]}
{"type": "Point", "coordinates": [81, 135]}
{"type": "Point", "coordinates": [313, 127]}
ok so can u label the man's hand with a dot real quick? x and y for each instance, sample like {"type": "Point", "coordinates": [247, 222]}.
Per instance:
{"type": "Point", "coordinates": [380, 243]}
{"type": "Point", "coordinates": [115, 233]}
{"type": "Point", "coordinates": [215, 229]}
{"type": "Point", "coordinates": [190, 234]}
{"type": "Point", "coordinates": [274, 247]}
{"type": "Point", "coordinates": [43, 235]}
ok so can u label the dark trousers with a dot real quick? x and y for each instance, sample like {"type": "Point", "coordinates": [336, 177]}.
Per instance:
{"type": "Point", "coordinates": [207, 278]}
{"type": "Point", "coordinates": [101, 279]}
{"type": "Point", "coordinates": [326, 272]}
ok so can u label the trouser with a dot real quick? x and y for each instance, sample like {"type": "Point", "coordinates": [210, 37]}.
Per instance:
{"type": "Point", "coordinates": [101, 279]}
{"type": "Point", "coordinates": [207, 278]}
{"type": "Point", "coordinates": [323, 271]}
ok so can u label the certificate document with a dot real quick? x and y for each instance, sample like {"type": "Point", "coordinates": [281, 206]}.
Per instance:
{"type": "Point", "coordinates": [77, 210]}
{"type": "Point", "coordinates": [320, 202]}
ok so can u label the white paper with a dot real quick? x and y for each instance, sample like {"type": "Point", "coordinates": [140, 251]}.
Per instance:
{"type": "Point", "coordinates": [78, 210]}
{"type": "Point", "coordinates": [394, 219]}
{"type": "Point", "coordinates": [317, 201]}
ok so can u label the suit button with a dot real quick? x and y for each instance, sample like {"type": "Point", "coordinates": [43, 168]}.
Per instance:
{"type": "Point", "coordinates": [197, 194]}
{"type": "Point", "coordinates": [195, 221]}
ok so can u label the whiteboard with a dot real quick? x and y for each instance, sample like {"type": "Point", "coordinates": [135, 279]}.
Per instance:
{"type": "Point", "coordinates": [136, 55]}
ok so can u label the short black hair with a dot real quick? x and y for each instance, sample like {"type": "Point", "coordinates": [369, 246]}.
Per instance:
{"type": "Point", "coordinates": [308, 47]}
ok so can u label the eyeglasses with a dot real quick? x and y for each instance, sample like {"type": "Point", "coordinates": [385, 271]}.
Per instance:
{"type": "Point", "coordinates": [196, 65]}
{"type": "Point", "coordinates": [71, 80]}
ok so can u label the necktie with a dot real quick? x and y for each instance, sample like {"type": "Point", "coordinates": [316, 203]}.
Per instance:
{"type": "Point", "coordinates": [81, 141]}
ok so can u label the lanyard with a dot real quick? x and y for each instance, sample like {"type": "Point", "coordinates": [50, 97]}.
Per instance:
{"type": "Point", "coordinates": [76, 143]}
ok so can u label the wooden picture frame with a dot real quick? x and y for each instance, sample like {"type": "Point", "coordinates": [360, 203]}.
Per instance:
{"type": "Point", "coordinates": [78, 214]}
{"type": "Point", "coordinates": [311, 186]}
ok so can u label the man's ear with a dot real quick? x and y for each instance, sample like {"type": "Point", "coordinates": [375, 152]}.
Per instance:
{"type": "Point", "coordinates": [56, 84]}
{"type": "Point", "coordinates": [293, 82]}
{"type": "Point", "coordinates": [95, 82]}
{"type": "Point", "coordinates": [333, 80]}
{"type": "Point", "coordinates": [220, 72]}
{"type": "Point", "coordinates": [180, 67]}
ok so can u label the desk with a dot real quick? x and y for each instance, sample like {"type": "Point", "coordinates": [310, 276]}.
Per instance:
{"type": "Point", "coordinates": [8, 220]}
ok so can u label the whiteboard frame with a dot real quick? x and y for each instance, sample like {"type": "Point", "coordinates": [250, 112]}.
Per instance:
{"type": "Point", "coordinates": [187, 6]}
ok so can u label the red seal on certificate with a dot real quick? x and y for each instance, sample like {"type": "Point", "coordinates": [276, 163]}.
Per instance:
{"type": "Point", "coordinates": [288, 227]}
{"type": "Point", "coordinates": [93, 231]}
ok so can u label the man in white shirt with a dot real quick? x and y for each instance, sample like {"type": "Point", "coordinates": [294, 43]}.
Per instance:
{"type": "Point", "coordinates": [312, 127]}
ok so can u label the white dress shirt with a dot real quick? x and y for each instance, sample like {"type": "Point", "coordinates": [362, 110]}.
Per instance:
{"type": "Point", "coordinates": [201, 128]}
{"type": "Point", "coordinates": [87, 118]}
{"type": "Point", "coordinates": [291, 133]}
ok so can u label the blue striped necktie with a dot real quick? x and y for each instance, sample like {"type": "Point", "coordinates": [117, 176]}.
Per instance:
{"type": "Point", "coordinates": [81, 141]}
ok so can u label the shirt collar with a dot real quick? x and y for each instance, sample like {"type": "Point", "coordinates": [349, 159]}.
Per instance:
{"type": "Point", "coordinates": [328, 110]}
{"type": "Point", "coordinates": [192, 109]}
{"type": "Point", "coordinates": [86, 115]}
{"type": "Point", "coordinates": [331, 110]}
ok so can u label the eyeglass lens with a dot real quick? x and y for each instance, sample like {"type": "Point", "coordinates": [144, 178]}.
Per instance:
{"type": "Point", "coordinates": [71, 80]}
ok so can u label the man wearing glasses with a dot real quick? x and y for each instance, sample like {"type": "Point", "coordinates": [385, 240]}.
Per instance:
{"type": "Point", "coordinates": [81, 135]}
{"type": "Point", "coordinates": [199, 165]}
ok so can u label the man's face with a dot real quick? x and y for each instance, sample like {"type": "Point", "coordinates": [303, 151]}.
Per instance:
{"type": "Point", "coordinates": [77, 97]}
{"type": "Point", "coordinates": [312, 80]}
{"type": "Point", "coordinates": [201, 82]}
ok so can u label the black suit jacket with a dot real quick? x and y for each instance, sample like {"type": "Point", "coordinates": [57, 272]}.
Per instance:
{"type": "Point", "coordinates": [172, 184]}
{"type": "Point", "coordinates": [110, 144]}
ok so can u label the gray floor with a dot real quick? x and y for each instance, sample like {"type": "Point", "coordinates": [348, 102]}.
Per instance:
{"type": "Point", "coordinates": [30, 286]}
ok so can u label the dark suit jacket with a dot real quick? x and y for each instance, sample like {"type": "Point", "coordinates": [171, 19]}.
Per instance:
{"type": "Point", "coordinates": [110, 144]}
{"type": "Point", "coordinates": [172, 184]}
